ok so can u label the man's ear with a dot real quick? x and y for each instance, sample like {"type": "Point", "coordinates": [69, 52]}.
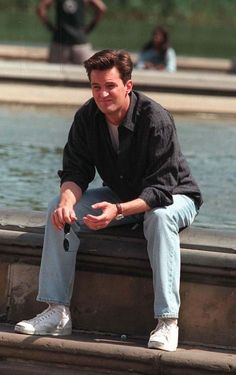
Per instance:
{"type": "Point", "coordinates": [129, 86]}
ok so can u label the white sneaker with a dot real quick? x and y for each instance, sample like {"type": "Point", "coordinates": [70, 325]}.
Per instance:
{"type": "Point", "coordinates": [54, 321]}
{"type": "Point", "coordinates": [165, 335]}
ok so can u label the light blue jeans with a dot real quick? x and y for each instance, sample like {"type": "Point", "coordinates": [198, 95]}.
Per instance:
{"type": "Point", "coordinates": [161, 229]}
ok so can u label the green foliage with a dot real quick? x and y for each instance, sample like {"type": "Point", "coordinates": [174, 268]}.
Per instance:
{"type": "Point", "coordinates": [172, 11]}
{"type": "Point", "coordinates": [18, 5]}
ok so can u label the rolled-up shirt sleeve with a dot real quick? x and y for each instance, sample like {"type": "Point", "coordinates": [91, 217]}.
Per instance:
{"type": "Point", "coordinates": [78, 164]}
{"type": "Point", "coordinates": [161, 175]}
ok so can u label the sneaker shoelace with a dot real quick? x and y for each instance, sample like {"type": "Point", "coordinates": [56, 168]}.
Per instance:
{"type": "Point", "coordinates": [162, 327]}
{"type": "Point", "coordinates": [42, 316]}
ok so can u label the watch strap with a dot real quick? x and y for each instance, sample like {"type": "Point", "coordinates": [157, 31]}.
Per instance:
{"type": "Point", "coordinates": [119, 214]}
{"type": "Point", "coordinates": [119, 209]}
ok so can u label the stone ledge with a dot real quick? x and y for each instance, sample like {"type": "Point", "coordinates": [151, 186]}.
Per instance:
{"type": "Point", "coordinates": [200, 83]}
{"type": "Point", "coordinates": [113, 285]}
{"type": "Point", "coordinates": [25, 220]}
{"type": "Point", "coordinates": [100, 352]}
{"type": "Point", "coordinates": [123, 254]}
{"type": "Point", "coordinates": [206, 255]}
{"type": "Point", "coordinates": [37, 53]}
{"type": "Point", "coordinates": [53, 96]}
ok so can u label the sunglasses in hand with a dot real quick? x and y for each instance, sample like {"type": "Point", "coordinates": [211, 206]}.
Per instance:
{"type": "Point", "coordinates": [66, 243]}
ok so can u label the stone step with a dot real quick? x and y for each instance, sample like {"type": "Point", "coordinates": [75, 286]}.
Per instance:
{"type": "Point", "coordinates": [39, 53]}
{"type": "Point", "coordinates": [53, 96]}
{"type": "Point", "coordinates": [113, 285]}
{"type": "Point", "coordinates": [98, 354]}
{"type": "Point", "coordinates": [201, 83]}
{"type": "Point", "coordinates": [53, 85]}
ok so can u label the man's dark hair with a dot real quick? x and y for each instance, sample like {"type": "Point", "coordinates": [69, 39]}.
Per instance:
{"type": "Point", "coordinates": [107, 59]}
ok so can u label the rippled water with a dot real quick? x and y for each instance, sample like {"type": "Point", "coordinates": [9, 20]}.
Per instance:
{"type": "Point", "coordinates": [31, 143]}
{"type": "Point", "coordinates": [210, 148]}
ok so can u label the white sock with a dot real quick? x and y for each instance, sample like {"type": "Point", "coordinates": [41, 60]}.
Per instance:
{"type": "Point", "coordinates": [61, 307]}
{"type": "Point", "coordinates": [170, 321]}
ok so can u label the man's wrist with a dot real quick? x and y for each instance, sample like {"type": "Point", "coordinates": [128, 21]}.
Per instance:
{"type": "Point", "coordinates": [119, 212]}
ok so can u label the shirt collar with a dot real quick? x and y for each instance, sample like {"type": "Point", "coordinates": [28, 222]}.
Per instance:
{"type": "Point", "coordinates": [129, 120]}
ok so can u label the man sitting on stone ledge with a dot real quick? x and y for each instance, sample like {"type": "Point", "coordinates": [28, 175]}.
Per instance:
{"type": "Point", "coordinates": [132, 142]}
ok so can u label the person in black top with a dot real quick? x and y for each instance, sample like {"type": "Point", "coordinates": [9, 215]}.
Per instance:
{"type": "Point", "coordinates": [69, 32]}
{"type": "Point", "coordinates": [132, 142]}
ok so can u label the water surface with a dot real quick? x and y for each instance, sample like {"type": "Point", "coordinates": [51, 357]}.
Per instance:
{"type": "Point", "coordinates": [32, 140]}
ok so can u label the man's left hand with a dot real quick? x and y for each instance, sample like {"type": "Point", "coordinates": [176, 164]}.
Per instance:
{"type": "Point", "coordinates": [109, 212]}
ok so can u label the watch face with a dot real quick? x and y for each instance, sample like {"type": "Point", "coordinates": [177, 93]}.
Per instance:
{"type": "Point", "coordinates": [119, 217]}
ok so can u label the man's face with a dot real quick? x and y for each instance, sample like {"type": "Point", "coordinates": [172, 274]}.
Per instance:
{"type": "Point", "coordinates": [109, 91]}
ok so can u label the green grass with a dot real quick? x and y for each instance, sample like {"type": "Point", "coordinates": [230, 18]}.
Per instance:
{"type": "Point", "coordinates": [186, 39]}
{"type": "Point", "coordinates": [193, 32]}
{"type": "Point", "coordinates": [205, 41]}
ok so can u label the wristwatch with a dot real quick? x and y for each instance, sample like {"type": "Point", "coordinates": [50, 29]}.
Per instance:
{"type": "Point", "coordinates": [119, 214]}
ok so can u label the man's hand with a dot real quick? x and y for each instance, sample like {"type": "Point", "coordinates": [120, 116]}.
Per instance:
{"type": "Point", "coordinates": [109, 212]}
{"type": "Point", "coordinates": [70, 194]}
{"type": "Point", "coordinates": [62, 215]}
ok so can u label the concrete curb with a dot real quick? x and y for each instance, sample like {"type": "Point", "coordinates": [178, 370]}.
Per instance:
{"type": "Point", "coordinates": [102, 353]}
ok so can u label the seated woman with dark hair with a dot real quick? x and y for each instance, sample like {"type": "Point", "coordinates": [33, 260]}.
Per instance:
{"type": "Point", "coordinates": [157, 54]}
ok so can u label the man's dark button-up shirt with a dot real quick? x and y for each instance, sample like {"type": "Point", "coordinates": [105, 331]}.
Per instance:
{"type": "Point", "coordinates": [149, 164]}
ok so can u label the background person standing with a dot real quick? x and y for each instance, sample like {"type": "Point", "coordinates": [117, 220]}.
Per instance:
{"type": "Point", "coordinates": [69, 31]}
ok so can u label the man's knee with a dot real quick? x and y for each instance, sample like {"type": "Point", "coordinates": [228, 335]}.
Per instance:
{"type": "Point", "coordinates": [161, 218]}
{"type": "Point", "coordinates": [53, 204]}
